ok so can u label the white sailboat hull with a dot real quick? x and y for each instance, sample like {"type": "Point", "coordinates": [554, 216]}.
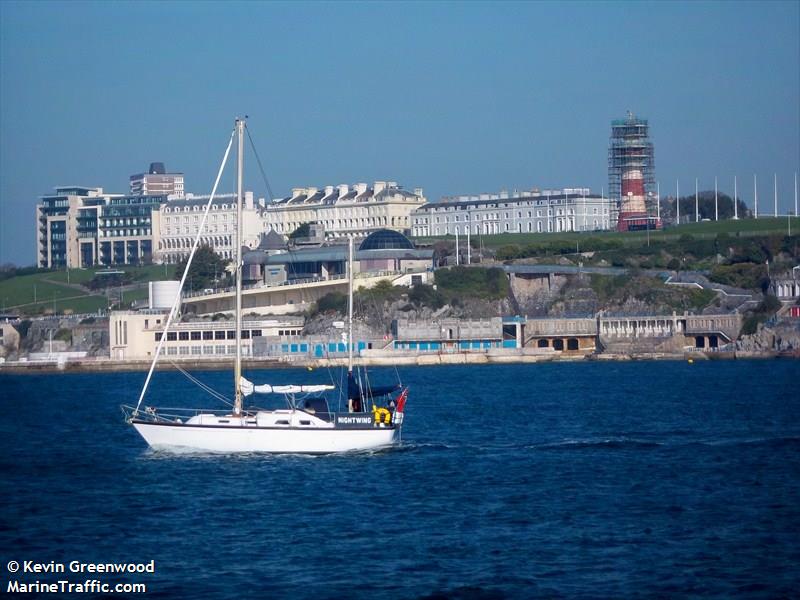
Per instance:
{"type": "Point", "coordinates": [259, 439]}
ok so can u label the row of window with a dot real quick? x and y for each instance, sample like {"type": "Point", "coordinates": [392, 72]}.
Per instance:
{"type": "Point", "coordinates": [125, 232]}
{"type": "Point", "coordinates": [196, 219]}
{"type": "Point", "coordinates": [210, 229]}
{"type": "Point", "coordinates": [397, 221]}
{"type": "Point", "coordinates": [196, 208]}
{"type": "Point", "coordinates": [128, 222]}
{"type": "Point", "coordinates": [219, 334]}
{"type": "Point", "coordinates": [496, 216]}
{"type": "Point", "coordinates": [219, 350]}
{"type": "Point", "coordinates": [493, 228]}
{"type": "Point", "coordinates": [467, 206]}
{"type": "Point", "coordinates": [215, 242]}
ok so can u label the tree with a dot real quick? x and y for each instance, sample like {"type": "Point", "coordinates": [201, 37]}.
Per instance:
{"type": "Point", "coordinates": [207, 268]}
{"type": "Point", "coordinates": [706, 205]}
{"type": "Point", "coordinates": [332, 302]}
{"type": "Point", "coordinates": [301, 232]}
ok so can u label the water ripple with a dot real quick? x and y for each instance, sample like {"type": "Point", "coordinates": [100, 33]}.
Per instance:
{"type": "Point", "coordinates": [550, 486]}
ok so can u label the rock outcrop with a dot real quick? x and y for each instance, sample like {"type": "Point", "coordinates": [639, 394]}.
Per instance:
{"type": "Point", "coordinates": [781, 336]}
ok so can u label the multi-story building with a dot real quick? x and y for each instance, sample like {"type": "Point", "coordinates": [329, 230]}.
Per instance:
{"type": "Point", "coordinates": [58, 218]}
{"type": "Point", "coordinates": [343, 210]}
{"type": "Point", "coordinates": [176, 224]}
{"type": "Point", "coordinates": [157, 182]}
{"type": "Point", "coordinates": [518, 212]}
{"type": "Point", "coordinates": [124, 231]}
{"type": "Point", "coordinates": [80, 227]}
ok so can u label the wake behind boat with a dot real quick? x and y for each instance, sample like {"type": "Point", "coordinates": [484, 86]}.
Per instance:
{"type": "Point", "coordinates": [305, 425]}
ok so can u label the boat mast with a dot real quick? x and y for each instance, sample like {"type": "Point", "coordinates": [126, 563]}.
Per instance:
{"type": "Point", "coordinates": [350, 305]}
{"type": "Point", "coordinates": [237, 372]}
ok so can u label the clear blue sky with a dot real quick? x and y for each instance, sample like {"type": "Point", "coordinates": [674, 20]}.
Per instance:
{"type": "Point", "coordinates": [452, 97]}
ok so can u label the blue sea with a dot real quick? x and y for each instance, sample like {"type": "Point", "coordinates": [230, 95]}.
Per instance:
{"type": "Point", "coordinates": [563, 480]}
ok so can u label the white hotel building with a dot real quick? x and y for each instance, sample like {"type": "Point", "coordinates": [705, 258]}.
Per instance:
{"type": "Point", "coordinates": [176, 223]}
{"type": "Point", "coordinates": [535, 211]}
{"type": "Point", "coordinates": [344, 210]}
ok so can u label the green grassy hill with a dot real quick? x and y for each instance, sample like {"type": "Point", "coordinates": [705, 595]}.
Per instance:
{"type": "Point", "coordinates": [60, 292]}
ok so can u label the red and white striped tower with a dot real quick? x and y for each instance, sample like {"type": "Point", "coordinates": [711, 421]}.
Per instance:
{"type": "Point", "coordinates": [631, 175]}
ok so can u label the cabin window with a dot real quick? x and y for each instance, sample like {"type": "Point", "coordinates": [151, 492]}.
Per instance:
{"type": "Point", "coordinates": [219, 335]}
{"type": "Point", "coordinates": [183, 335]}
{"type": "Point", "coordinates": [305, 422]}
{"type": "Point", "coordinates": [208, 335]}
{"type": "Point", "coordinates": [231, 334]}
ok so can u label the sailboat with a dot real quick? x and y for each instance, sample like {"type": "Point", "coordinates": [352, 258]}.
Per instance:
{"type": "Point", "coordinates": [305, 425]}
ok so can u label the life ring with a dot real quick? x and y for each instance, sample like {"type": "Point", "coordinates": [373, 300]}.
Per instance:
{"type": "Point", "coordinates": [382, 415]}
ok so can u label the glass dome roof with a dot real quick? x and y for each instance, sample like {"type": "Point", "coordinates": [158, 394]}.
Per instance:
{"type": "Point", "coordinates": [386, 239]}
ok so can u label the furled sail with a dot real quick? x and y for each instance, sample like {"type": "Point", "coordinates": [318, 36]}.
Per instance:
{"type": "Point", "coordinates": [248, 387]}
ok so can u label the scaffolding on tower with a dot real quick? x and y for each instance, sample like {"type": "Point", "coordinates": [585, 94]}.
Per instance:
{"type": "Point", "coordinates": [631, 174]}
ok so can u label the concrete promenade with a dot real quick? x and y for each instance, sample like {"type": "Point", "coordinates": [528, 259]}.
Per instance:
{"type": "Point", "coordinates": [496, 356]}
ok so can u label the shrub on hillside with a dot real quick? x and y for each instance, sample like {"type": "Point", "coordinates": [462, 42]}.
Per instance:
{"type": "Point", "coordinates": [101, 282]}
{"type": "Point", "coordinates": [383, 291]}
{"type": "Point", "coordinates": [335, 302]}
{"type": "Point", "coordinates": [743, 275]}
{"type": "Point", "coordinates": [472, 282]}
{"type": "Point", "coordinates": [509, 252]}
{"type": "Point", "coordinates": [424, 295]}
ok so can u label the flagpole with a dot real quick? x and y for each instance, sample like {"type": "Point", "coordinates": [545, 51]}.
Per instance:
{"type": "Point", "coordinates": [716, 200]}
{"type": "Point", "coordinates": [776, 195]}
{"type": "Point", "coordinates": [755, 192]}
{"type": "Point", "coordinates": [658, 199]}
{"type": "Point", "coordinates": [469, 244]}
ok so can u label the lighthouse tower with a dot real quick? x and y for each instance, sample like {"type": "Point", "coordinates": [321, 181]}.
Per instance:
{"type": "Point", "coordinates": [631, 175]}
